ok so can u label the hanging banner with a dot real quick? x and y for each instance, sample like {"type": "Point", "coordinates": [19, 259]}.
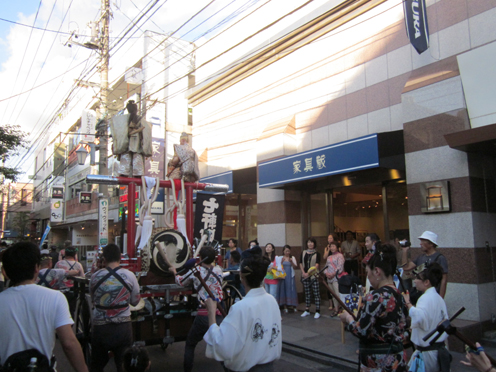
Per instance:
{"type": "Point", "coordinates": [103, 221]}
{"type": "Point", "coordinates": [88, 122]}
{"type": "Point", "coordinates": [56, 212]}
{"type": "Point", "coordinates": [209, 215]}
{"type": "Point", "coordinates": [47, 230]}
{"type": "Point", "coordinates": [416, 24]}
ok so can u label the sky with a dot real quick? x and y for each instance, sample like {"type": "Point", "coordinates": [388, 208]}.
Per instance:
{"type": "Point", "coordinates": [38, 68]}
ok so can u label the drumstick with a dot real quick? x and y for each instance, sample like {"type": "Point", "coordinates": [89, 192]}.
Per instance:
{"type": "Point", "coordinates": [161, 250]}
{"type": "Point", "coordinates": [200, 245]}
{"type": "Point", "coordinates": [336, 296]}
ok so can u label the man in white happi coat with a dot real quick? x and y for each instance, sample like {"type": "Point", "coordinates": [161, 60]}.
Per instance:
{"type": "Point", "coordinates": [249, 338]}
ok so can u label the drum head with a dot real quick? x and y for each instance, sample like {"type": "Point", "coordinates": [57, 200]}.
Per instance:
{"type": "Point", "coordinates": [177, 251]}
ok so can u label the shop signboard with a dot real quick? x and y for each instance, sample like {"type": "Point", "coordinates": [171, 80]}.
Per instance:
{"type": "Point", "coordinates": [85, 197]}
{"type": "Point", "coordinates": [56, 211]}
{"type": "Point", "coordinates": [349, 156]}
{"type": "Point", "coordinates": [57, 192]}
{"type": "Point", "coordinates": [103, 207]}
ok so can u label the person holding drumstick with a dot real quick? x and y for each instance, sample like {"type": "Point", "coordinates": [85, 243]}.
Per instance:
{"type": "Point", "coordinates": [381, 321]}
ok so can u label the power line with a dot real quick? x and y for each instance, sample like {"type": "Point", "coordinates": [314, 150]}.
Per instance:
{"type": "Point", "coordinates": [148, 53]}
{"type": "Point", "coordinates": [51, 120]}
{"type": "Point", "coordinates": [46, 29]}
{"type": "Point", "coordinates": [45, 129]}
{"type": "Point", "coordinates": [154, 49]}
{"type": "Point", "coordinates": [32, 62]}
{"type": "Point", "coordinates": [135, 23]}
{"type": "Point", "coordinates": [22, 60]}
{"type": "Point", "coordinates": [166, 68]}
{"type": "Point", "coordinates": [40, 85]}
{"type": "Point", "coordinates": [132, 2]}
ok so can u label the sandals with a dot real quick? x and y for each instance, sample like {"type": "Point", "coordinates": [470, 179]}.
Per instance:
{"type": "Point", "coordinates": [333, 313]}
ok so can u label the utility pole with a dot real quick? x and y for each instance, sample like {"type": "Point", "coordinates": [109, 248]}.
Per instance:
{"type": "Point", "coordinates": [100, 41]}
{"type": "Point", "coordinates": [102, 125]}
{"type": "Point", "coordinates": [101, 129]}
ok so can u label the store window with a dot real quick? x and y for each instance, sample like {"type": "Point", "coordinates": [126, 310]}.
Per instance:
{"type": "Point", "coordinates": [240, 218]}
{"type": "Point", "coordinates": [360, 209]}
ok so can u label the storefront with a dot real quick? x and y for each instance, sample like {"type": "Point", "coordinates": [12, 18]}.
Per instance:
{"type": "Point", "coordinates": [356, 185]}
{"type": "Point", "coordinates": [240, 211]}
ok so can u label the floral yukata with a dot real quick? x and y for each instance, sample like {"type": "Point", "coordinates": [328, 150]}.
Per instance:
{"type": "Point", "coordinates": [381, 328]}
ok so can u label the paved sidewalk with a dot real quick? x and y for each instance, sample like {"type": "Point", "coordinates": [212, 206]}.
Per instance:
{"type": "Point", "coordinates": [324, 336]}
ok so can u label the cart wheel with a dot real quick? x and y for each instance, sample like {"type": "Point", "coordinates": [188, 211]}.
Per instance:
{"type": "Point", "coordinates": [82, 326]}
{"type": "Point", "coordinates": [231, 296]}
{"type": "Point", "coordinates": [164, 346]}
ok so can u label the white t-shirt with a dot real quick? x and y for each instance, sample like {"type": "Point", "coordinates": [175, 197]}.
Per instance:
{"type": "Point", "coordinates": [249, 335]}
{"type": "Point", "coordinates": [29, 316]}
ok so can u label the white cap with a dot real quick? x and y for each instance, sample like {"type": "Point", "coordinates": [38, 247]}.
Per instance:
{"type": "Point", "coordinates": [430, 236]}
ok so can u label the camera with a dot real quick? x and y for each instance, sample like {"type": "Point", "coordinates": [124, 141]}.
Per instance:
{"type": "Point", "coordinates": [405, 243]}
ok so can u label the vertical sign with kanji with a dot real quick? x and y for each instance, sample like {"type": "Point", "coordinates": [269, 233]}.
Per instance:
{"type": "Point", "coordinates": [209, 214]}
{"type": "Point", "coordinates": [155, 167]}
{"type": "Point", "coordinates": [103, 223]}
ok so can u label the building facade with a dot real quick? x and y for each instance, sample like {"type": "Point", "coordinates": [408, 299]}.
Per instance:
{"type": "Point", "coordinates": [349, 128]}
{"type": "Point", "coordinates": [16, 221]}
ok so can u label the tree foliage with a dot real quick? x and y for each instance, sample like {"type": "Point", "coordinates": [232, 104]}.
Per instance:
{"type": "Point", "coordinates": [12, 140]}
{"type": "Point", "coordinates": [20, 224]}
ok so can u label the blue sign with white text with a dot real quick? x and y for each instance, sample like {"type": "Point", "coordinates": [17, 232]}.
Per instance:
{"type": "Point", "coordinates": [349, 156]}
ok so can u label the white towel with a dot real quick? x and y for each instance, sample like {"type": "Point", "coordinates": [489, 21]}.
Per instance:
{"type": "Point", "coordinates": [150, 184]}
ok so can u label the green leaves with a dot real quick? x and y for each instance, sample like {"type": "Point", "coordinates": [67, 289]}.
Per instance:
{"type": "Point", "coordinates": [12, 139]}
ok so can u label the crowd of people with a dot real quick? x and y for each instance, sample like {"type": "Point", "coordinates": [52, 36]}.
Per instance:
{"type": "Point", "coordinates": [36, 306]}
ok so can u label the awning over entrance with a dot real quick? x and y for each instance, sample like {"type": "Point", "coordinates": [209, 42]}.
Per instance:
{"type": "Point", "coordinates": [240, 181]}
{"type": "Point", "coordinates": [372, 151]}
{"type": "Point", "coordinates": [480, 140]}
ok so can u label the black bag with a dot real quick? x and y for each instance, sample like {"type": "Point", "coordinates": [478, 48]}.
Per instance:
{"type": "Point", "coordinates": [348, 283]}
{"type": "Point", "coordinates": [415, 295]}
{"type": "Point", "coordinates": [19, 362]}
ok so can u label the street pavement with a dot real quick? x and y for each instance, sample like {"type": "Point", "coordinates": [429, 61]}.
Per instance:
{"type": "Point", "coordinates": [309, 345]}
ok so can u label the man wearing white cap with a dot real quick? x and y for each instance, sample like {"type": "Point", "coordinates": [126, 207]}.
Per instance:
{"type": "Point", "coordinates": [428, 244]}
